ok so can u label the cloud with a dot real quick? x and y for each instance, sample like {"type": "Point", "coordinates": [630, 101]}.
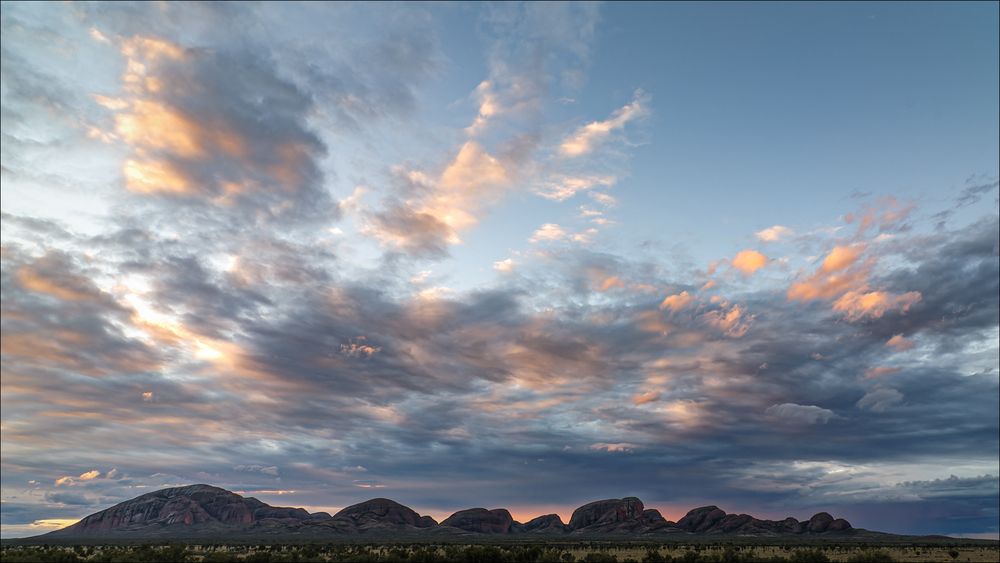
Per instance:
{"type": "Point", "coordinates": [900, 343]}
{"type": "Point", "coordinates": [603, 199]}
{"type": "Point", "coordinates": [473, 169]}
{"type": "Point", "coordinates": [49, 275]}
{"type": "Point", "coordinates": [74, 499]}
{"type": "Point", "coordinates": [840, 258]}
{"type": "Point", "coordinates": [438, 209]}
{"type": "Point", "coordinates": [804, 414]}
{"type": "Point", "coordinates": [587, 138]}
{"type": "Point", "coordinates": [730, 321]}
{"type": "Point", "coordinates": [843, 278]}
{"type": "Point", "coordinates": [56, 317]}
{"type": "Point", "coordinates": [414, 232]}
{"type": "Point", "coordinates": [358, 349]}
{"type": "Point", "coordinates": [873, 304]}
{"type": "Point", "coordinates": [973, 192]}
{"type": "Point", "coordinates": [620, 447]}
{"type": "Point", "coordinates": [368, 484]}
{"type": "Point", "coordinates": [504, 266]}
{"type": "Point", "coordinates": [647, 397]}
{"type": "Point", "coordinates": [256, 468]}
{"type": "Point", "coordinates": [880, 399]}
{"type": "Point", "coordinates": [677, 301]}
{"type": "Point", "coordinates": [773, 234]}
{"type": "Point", "coordinates": [609, 283]}
{"type": "Point", "coordinates": [565, 187]}
{"type": "Point", "coordinates": [953, 486]}
{"type": "Point", "coordinates": [548, 232]}
{"type": "Point", "coordinates": [85, 476]}
{"type": "Point", "coordinates": [749, 261]}
{"type": "Point", "coordinates": [98, 36]}
{"type": "Point", "coordinates": [488, 107]}
{"type": "Point", "coordinates": [521, 81]}
{"type": "Point", "coordinates": [887, 214]}
{"type": "Point", "coordinates": [881, 371]}
{"type": "Point", "coordinates": [218, 128]}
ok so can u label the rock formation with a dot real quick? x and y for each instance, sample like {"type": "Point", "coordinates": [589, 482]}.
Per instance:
{"type": "Point", "coordinates": [194, 505]}
{"type": "Point", "coordinates": [204, 511]}
{"type": "Point", "coordinates": [382, 513]}
{"type": "Point", "coordinates": [482, 521]}
{"type": "Point", "coordinates": [606, 515]}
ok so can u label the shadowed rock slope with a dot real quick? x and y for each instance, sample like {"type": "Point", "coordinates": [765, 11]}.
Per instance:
{"type": "Point", "coordinates": [207, 512]}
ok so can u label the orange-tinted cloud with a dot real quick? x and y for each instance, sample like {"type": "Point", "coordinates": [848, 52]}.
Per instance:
{"type": "Point", "coordinates": [619, 447]}
{"type": "Point", "coordinates": [92, 474]}
{"type": "Point", "coordinates": [749, 261]}
{"type": "Point", "coordinates": [843, 278]}
{"type": "Point", "coordinates": [189, 128]}
{"type": "Point", "coordinates": [839, 273]}
{"type": "Point", "coordinates": [731, 322]}
{"type": "Point", "coordinates": [647, 397]}
{"type": "Point", "coordinates": [588, 137]}
{"type": "Point", "coordinates": [489, 105]}
{"type": "Point", "coordinates": [676, 302]}
{"type": "Point", "coordinates": [886, 214]}
{"type": "Point", "coordinates": [900, 343]}
{"type": "Point", "coordinates": [610, 282]}
{"type": "Point", "coordinates": [442, 207]}
{"type": "Point", "coordinates": [66, 289]}
{"type": "Point", "coordinates": [841, 257]}
{"type": "Point", "coordinates": [858, 305]}
{"type": "Point", "coordinates": [880, 371]}
{"type": "Point", "coordinates": [773, 234]}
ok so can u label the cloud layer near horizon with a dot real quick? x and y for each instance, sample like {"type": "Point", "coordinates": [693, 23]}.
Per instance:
{"type": "Point", "coordinates": [214, 323]}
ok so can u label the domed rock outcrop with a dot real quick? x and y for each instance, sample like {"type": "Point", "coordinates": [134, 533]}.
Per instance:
{"type": "Point", "coordinates": [732, 523]}
{"type": "Point", "coordinates": [481, 521]}
{"type": "Point", "coordinates": [652, 516]}
{"type": "Point", "coordinates": [606, 513]}
{"type": "Point", "coordinates": [839, 525]}
{"type": "Point", "coordinates": [546, 523]}
{"type": "Point", "coordinates": [819, 523]}
{"type": "Point", "coordinates": [791, 525]}
{"type": "Point", "coordinates": [701, 519]}
{"type": "Point", "coordinates": [381, 512]}
{"type": "Point", "coordinates": [191, 506]}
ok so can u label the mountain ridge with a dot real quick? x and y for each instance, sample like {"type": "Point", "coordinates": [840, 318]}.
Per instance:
{"type": "Point", "coordinates": [207, 511]}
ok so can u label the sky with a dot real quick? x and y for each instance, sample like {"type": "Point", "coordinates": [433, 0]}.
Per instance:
{"type": "Point", "coordinates": [504, 255]}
